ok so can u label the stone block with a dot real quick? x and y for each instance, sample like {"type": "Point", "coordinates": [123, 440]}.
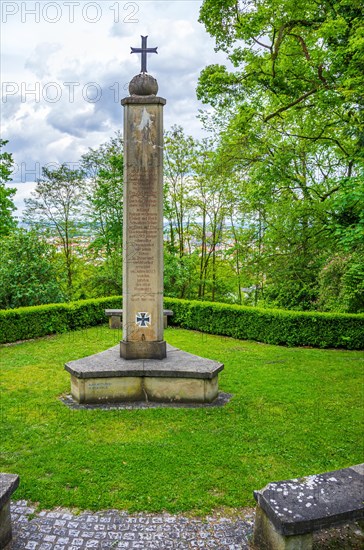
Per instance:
{"type": "Point", "coordinates": [109, 390]}
{"type": "Point", "coordinates": [116, 322]}
{"type": "Point", "coordinates": [143, 350]}
{"type": "Point", "coordinates": [8, 484]}
{"type": "Point", "coordinates": [185, 390]}
{"type": "Point", "coordinates": [266, 537]}
{"type": "Point", "coordinates": [289, 511]}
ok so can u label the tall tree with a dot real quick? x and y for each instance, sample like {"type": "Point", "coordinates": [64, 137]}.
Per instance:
{"type": "Point", "coordinates": [179, 163]}
{"type": "Point", "coordinates": [213, 201]}
{"type": "Point", "coordinates": [294, 128]}
{"type": "Point", "coordinates": [7, 207]}
{"type": "Point", "coordinates": [103, 168]}
{"type": "Point", "coordinates": [57, 205]}
{"type": "Point", "coordinates": [179, 182]}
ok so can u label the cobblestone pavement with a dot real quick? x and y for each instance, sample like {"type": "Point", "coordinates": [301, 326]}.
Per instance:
{"type": "Point", "coordinates": [112, 529]}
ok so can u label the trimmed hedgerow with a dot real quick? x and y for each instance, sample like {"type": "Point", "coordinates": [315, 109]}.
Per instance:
{"type": "Point", "coordinates": [272, 326]}
{"type": "Point", "coordinates": [31, 322]}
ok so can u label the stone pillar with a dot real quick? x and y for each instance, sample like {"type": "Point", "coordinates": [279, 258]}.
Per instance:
{"type": "Point", "coordinates": [143, 222]}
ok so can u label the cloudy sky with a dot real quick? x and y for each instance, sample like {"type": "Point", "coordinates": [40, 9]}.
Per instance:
{"type": "Point", "coordinates": [65, 66]}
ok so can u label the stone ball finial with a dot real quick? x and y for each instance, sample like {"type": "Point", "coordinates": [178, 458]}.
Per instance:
{"type": "Point", "coordinates": [143, 84]}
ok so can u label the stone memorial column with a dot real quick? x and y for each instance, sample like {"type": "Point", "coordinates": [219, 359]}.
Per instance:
{"type": "Point", "coordinates": [143, 222]}
{"type": "Point", "coordinates": [152, 376]}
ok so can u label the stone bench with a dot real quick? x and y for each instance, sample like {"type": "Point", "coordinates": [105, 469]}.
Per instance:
{"type": "Point", "coordinates": [8, 484]}
{"type": "Point", "coordinates": [289, 511]}
{"type": "Point", "coordinates": [116, 317]}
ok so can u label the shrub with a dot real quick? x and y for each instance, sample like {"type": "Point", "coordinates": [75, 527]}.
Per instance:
{"type": "Point", "coordinates": [32, 322]}
{"type": "Point", "coordinates": [272, 326]}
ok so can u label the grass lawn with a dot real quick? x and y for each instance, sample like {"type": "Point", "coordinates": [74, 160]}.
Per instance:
{"type": "Point", "coordinates": [294, 411]}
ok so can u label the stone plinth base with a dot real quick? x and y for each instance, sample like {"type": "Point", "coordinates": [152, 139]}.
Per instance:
{"type": "Point", "coordinates": [179, 377]}
{"type": "Point", "coordinates": [143, 350]}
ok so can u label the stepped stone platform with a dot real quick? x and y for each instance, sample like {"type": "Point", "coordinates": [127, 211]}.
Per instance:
{"type": "Point", "coordinates": [180, 377]}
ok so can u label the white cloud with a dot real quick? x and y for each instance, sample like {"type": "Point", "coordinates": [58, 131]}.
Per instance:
{"type": "Point", "coordinates": [39, 62]}
{"type": "Point", "coordinates": [52, 72]}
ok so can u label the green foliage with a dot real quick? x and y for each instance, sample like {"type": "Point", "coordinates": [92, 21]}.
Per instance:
{"type": "Point", "coordinates": [106, 277]}
{"type": "Point", "coordinates": [33, 322]}
{"type": "Point", "coordinates": [179, 171]}
{"type": "Point", "coordinates": [323, 330]}
{"type": "Point", "coordinates": [294, 412]}
{"type": "Point", "coordinates": [347, 213]}
{"type": "Point", "coordinates": [103, 169]}
{"type": "Point", "coordinates": [28, 275]}
{"type": "Point", "coordinates": [289, 119]}
{"type": "Point", "coordinates": [289, 51]}
{"type": "Point", "coordinates": [57, 206]}
{"type": "Point", "coordinates": [341, 279]}
{"type": "Point", "coordinates": [247, 323]}
{"type": "Point", "coordinates": [341, 284]}
{"type": "Point", "coordinates": [180, 275]}
{"type": "Point", "coordinates": [198, 203]}
{"type": "Point", "coordinates": [7, 222]}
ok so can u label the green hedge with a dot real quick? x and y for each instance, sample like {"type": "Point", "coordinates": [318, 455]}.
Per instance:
{"type": "Point", "coordinates": [31, 322]}
{"type": "Point", "coordinates": [281, 327]}
{"type": "Point", "coordinates": [272, 326]}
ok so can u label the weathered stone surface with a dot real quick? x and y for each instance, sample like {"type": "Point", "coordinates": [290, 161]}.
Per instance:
{"type": "Point", "coordinates": [107, 389]}
{"type": "Point", "coordinates": [62, 529]}
{"type": "Point", "coordinates": [141, 100]}
{"type": "Point", "coordinates": [143, 350]}
{"type": "Point", "coordinates": [144, 388]}
{"type": "Point", "coordinates": [300, 506]}
{"type": "Point", "coordinates": [266, 537]}
{"type": "Point", "coordinates": [143, 227]}
{"type": "Point", "coordinates": [116, 318]}
{"type": "Point", "coordinates": [185, 390]}
{"type": "Point", "coordinates": [177, 364]}
{"type": "Point", "coordinates": [143, 85]}
{"type": "Point", "coordinates": [180, 377]}
{"type": "Point", "coordinates": [8, 484]}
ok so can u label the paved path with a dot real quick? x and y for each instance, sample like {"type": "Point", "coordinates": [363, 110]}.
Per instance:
{"type": "Point", "coordinates": [112, 529]}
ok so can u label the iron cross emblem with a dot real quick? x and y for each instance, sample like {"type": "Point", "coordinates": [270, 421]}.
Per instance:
{"type": "Point", "coordinates": [144, 50]}
{"type": "Point", "coordinates": [143, 319]}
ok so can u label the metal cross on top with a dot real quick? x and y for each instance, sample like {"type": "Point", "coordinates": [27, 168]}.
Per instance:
{"type": "Point", "coordinates": [144, 50]}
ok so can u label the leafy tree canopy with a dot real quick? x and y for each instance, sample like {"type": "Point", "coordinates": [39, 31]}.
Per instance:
{"type": "Point", "coordinates": [28, 276]}
{"type": "Point", "coordinates": [7, 206]}
{"type": "Point", "coordinates": [103, 168]}
{"type": "Point", "coordinates": [57, 205]}
{"type": "Point", "coordinates": [289, 107]}
{"type": "Point", "coordinates": [298, 70]}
